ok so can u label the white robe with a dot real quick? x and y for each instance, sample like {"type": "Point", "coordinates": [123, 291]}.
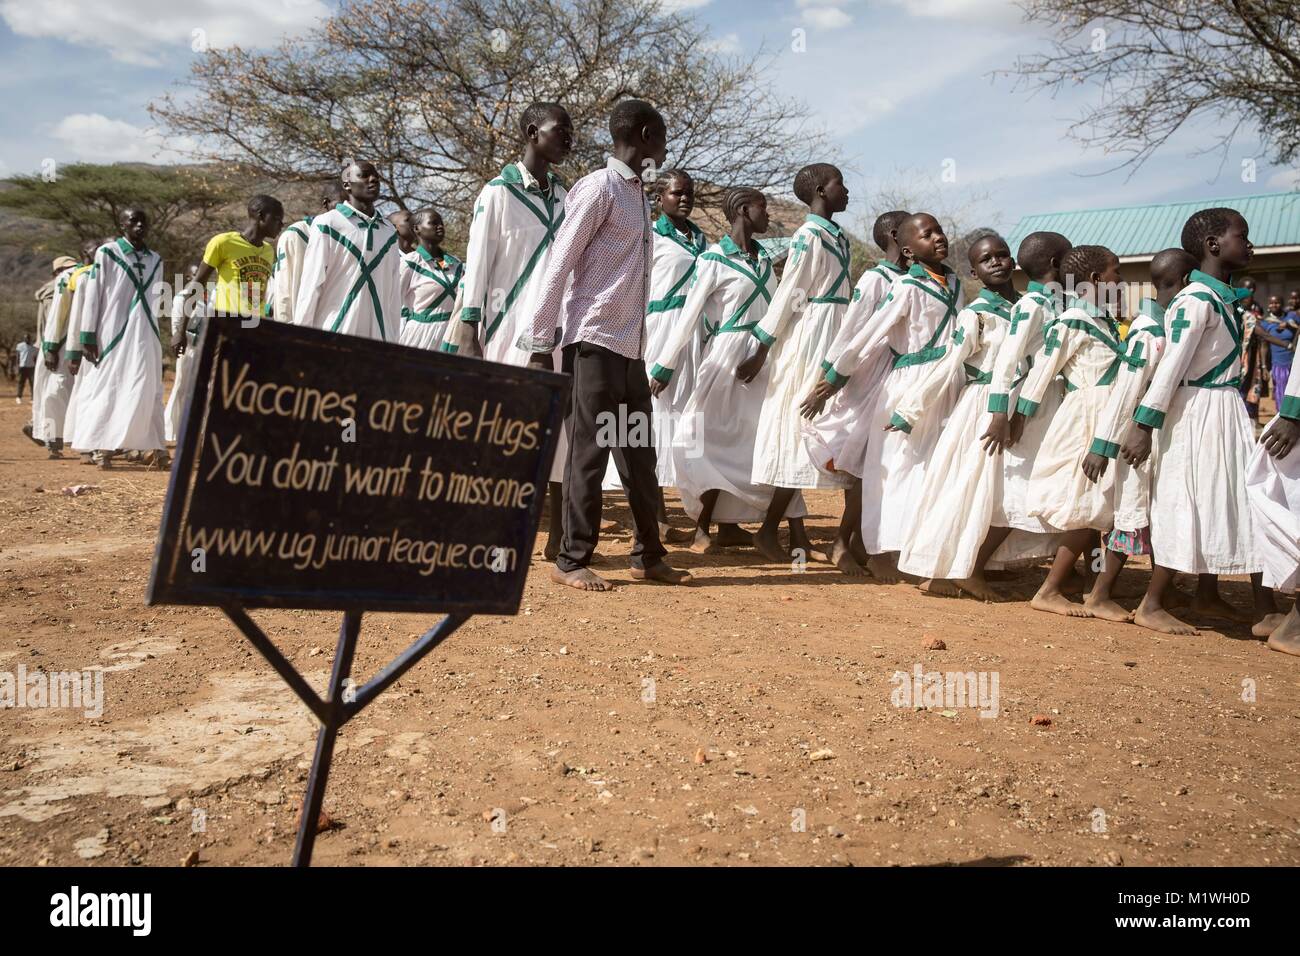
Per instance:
{"type": "Point", "coordinates": [1083, 347]}
{"type": "Point", "coordinates": [430, 298]}
{"type": "Point", "coordinates": [76, 317]}
{"type": "Point", "coordinates": [1143, 347]}
{"type": "Point", "coordinates": [1032, 313]}
{"type": "Point", "coordinates": [835, 429]}
{"type": "Point", "coordinates": [961, 492]}
{"type": "Point", "coordinates": [1201, 519]}
{"type": "Point", "coordinates": [286, 277]}
{"type": "Point", "coordinates": [714, 444]}
{"type": "Point", "coordinates": [350, 283]}
{"type": "Point", "coordinates": [799, 326]}
{"type": "Point", "coordinates": [121, 402]}
{"type": "Point", "coordinates": [511, 237]}
{"type": "Point", "coordinates": [50, 397]}
{"type": "Point", "coordinates": [910, 330]}
{"type": "Point", "coordinates": [187, 322]}
{"type": "Point", "coordinates": [1273, 488]}
{"type": "Point", "coordinates": [672, 268]}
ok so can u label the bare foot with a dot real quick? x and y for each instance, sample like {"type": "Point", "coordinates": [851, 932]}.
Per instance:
{"type": "Point", "coordinates": [552, 550]}
{"type": "Point", "coordinates": [883, 569]}
{"type": "Point", "coordinates": [703, 544]}
{"type": "Point", "coordinates": [662, 573]}
{"type": "Point", "coordinates": [1074, 583]}
{"type": "Point", "coordinates": [1107, 609]}
{"type": "Point", "coordinates": [733, 536]}
{"type": "Point", "coordinates": [1215, 606]}
{"type": "Point", "coordinates": [769, 546]}
{"type": "Point", "coordinates": [978, 588]}
{"type": "Point", "coordinates": [1057, 603]}
{"type": "Point", "coordinates": [582, 578]}
{"type": "Point", "coordinates": [1266, 625]}
{"type": "Point", "coordinates": [940, 587]}
{"type": "Point", "coordinates": [1161, 620]}
{"type": "Point", "coordinates": [858, 550]}
{"type": "Point", "coordinates": [842, 558]}
{"type": "Point", "coordinates": [1176, 597]}
{"type": "Point", "coordinates": [671, 535]}
{"type": "Point", "coordinates": [1287, 636]}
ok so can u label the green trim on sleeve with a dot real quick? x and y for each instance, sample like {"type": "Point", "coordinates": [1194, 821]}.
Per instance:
{"type": "Point", "coordinates": [72, 355]}
{"type": "Point", "coordinates": [1290, 407]}
{"type": "Point", "coordinates": [835, 378]}
{"type": "Point", "coordinates": [1149, 416]}
{"type": "Point", "coordinates": [87, 338]}
{"type": "Point", "coordinates": [763, 336]}
{"type": "Point", "coordinates": [1027, 408]}
{"type": "Point", "coordinates": [449, 348]}
{"type": "Point", "coordinates": [999, 403]}
{"type": "Point", "coordinates": [1107, 449]}
{"type": "Point", "coordinates": [471, 314]}
{"type": "Point", "coordinates": [661, 374]}
{"type": "Point", "coordinates": [898, 421]}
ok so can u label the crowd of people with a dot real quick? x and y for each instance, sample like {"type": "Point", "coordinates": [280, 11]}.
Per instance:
{"type": "Point", "coordinates": [967, 431]}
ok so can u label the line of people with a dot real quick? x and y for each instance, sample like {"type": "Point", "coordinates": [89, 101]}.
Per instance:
{"type": "Point", "coordinates": [967, 432]}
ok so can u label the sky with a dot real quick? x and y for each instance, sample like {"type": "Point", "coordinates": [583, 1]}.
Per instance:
{"type": "Point", "coordinates": [907, 92]}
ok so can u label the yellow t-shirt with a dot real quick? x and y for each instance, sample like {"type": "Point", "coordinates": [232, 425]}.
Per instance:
{"type": "Point", "coordinates": [243, 271]}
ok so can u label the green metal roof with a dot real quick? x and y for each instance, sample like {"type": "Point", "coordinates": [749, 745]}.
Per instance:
{"type": "Point", "coordinates": [1145, 230]}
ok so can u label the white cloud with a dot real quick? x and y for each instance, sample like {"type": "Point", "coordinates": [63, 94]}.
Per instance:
{"type": "Point", "coordinates": [993, 12]}
{"type": "Point", "coordinates": [1288, 179]}
{"type": "Point", "coordinates": [727, 43]}
{"type": "Point", "coordinates": [827, 18]}
{"type": "Point", "coordinates": [147, 32]}
{"type": "Point", "coordinates": [672, 6]}
{"type": "Point", "coordinates": [95, 137]}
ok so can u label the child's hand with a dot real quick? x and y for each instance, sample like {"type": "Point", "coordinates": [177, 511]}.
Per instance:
{"type": "Point", "coordinates": [74, 366]}
{"type": "Point", "coordinates": [1280, 438]}
{"type": "Point", "coordinates": [657, 387]}
{"type": "Point", "coordinates": [1137, 447]}
{"type": "Point", "coordinates": [812, 406]}
{"type": "Point", "coordinates": [1094, 466]}
{"type": "Point", "coordinates": [747, 369]}
{"type": "Point", "coordinates": [540, 360]}
{"type": "Point", "coordinates": [52, 359]}
{"type": "Point", "coordinates": [996, 436]}
{"type": "Point", "coordinates": [1017, 429]}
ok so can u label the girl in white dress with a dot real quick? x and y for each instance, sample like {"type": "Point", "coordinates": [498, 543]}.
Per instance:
{"type": "Point", "coordinates": [797, 329]}
{"type": "Point", "coordinates": [430, 284]}
{"type": "Point", "coordinates": [1083, 346]}
{"type": "Point", "coordinates": [1273, 483]}
{"type": "Point", "coordinates": [713, 454]}
{"type": "Point", "coordinates": [959, 521]}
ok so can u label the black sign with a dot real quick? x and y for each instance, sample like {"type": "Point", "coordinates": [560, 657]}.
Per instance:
{"type": "Point", "coordinates": [327, 471]}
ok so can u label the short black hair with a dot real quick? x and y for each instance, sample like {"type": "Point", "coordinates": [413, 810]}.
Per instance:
{"type": "Point", "coordinates": [1204, 224]}
{"type": "Point", "coordinates": [535, 114]}
{"type": "Point", "coordinates": [1038, 249]}
{"type": "Point", "coordinates": [668, 175]}
{"type": "Point", "coordinates": [628, 118]}
{"type": "Point", "coordinates": [424, 212]}
{"type": "Point", "coordinates": [812, 178]}
{"type": "Point", "coordinates": [1082, 261]}
{"type": "Point", "coordinates": [886, 223]}
{"type": "Point", "coordinates": [262, 205]}
{"type": "Point", "coordinates": [332, 191]}
{"type": "Point", "coordinates": [1171, 260]}
{"type": "Point", "coordinates": [974, 238]}
{"type": "Point", "coordinates": [734, 200]}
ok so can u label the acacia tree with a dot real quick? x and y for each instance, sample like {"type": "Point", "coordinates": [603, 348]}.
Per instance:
{"type": "Point", "coordinates": [1161, 62]}
{"type": "Point", "coordinates": [431, 92]}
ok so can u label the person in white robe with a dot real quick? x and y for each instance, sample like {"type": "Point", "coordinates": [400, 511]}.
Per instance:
{"type": "Point", "coordinates": [1039, 256]}
{"type": "Point", "coordinates": [797, 329]}
{"type": "Point", "coordinates": [1201, 521]}
{"type": "Point", "coordinates": [1083, 346]}
{"type": "Point", "coordinates": [431, 284]}
{"type": "Point", "coordinates": [350, 282]}
{"type": "Point", "coordinates": [1144, 344]}
{"type": "Point", "coordinates": [120, 406]}
{"type": "Point", "coordinates": [187, 312]}
{"type": "Point", "coordinates": [53, 381]}
{"type": "Point", "coordinates": [291, 249]}
{"type": "Point", "coordinates": [959, 524]}
{"type": "Point", "coordinates": [511, 236]}
{"type": "Point", "coordinates": [714, 444]}
{"type": "Point", "coordinates": [827, 435]}
{"type": "Point", "coordinates": [910, 329]}
{"type": "Point", "coordinates": [1273, 488]}
{"type": "Point", "coordinates": [75, 357]}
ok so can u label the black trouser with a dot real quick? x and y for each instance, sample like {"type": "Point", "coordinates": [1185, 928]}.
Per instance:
{"type": "Point", "coordinates": [609, 404]}
{"type": "Point", "coordinates": [26, 377]}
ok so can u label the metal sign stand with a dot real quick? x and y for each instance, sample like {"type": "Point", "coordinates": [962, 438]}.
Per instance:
{"type": "Point", "coordinates": [335, 711]}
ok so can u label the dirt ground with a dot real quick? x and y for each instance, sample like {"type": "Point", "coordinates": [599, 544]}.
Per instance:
{"type": "Point", "coordinates": [745, 720]}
